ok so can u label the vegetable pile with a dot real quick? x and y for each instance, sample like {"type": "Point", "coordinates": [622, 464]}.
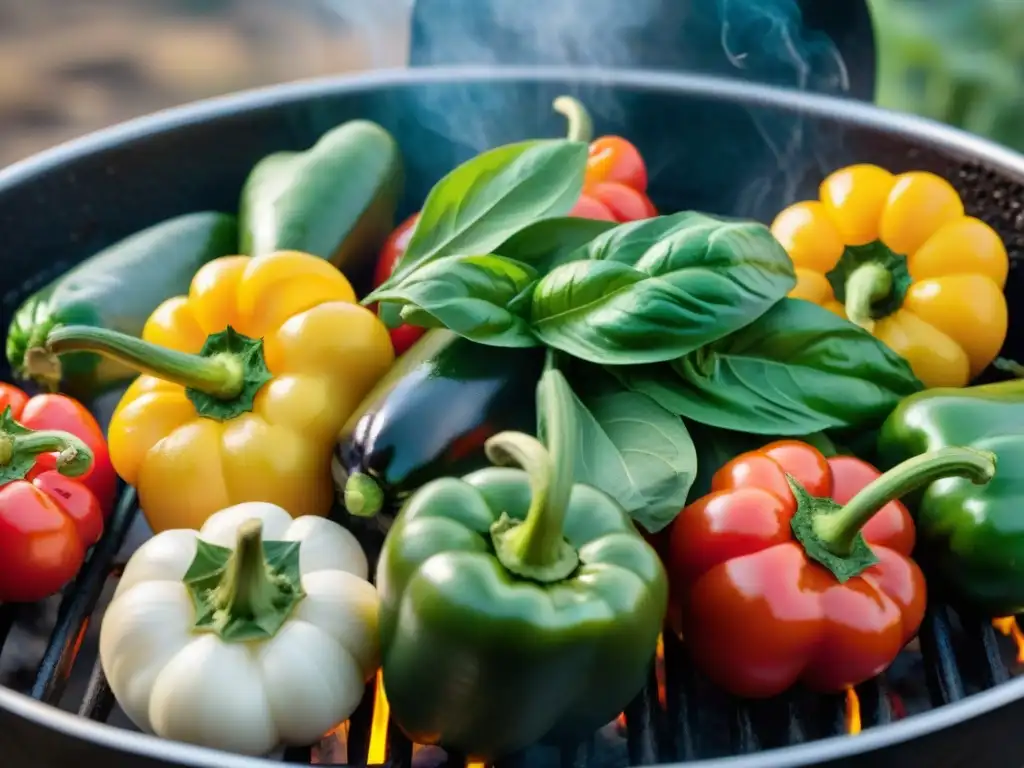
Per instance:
{"type": "Point", "coordinates": [566, 424]}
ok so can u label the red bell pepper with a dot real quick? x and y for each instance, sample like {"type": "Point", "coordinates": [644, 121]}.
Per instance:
{"type": "Point", "coordinates": [64, 414]}
{"type": "Point", "coordinates": [615, 185]}
{"type": "Point", "coordinates": [47, 519]}
{"type": "Point", "coordinates": [796, 567]}
{"type": "Point", "coordinates": [405, 335]}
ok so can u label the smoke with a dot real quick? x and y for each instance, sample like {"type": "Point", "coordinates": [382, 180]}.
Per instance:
{"type": "Point", "coordinates": [756, 40]}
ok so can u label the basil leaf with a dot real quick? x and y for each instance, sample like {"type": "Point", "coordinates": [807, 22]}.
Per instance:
{"type": "Point", "coordinates": [484, 201]}
{"type": "Point", "coordinates": [632, 449]}
{"type": "Point", "coordinates": [798, 369]}
{"type": "Point", "coordinates": [658, 289]}
{"type": "Point", "coordinates": [548, 243]}
{"type": "Point", "coordinates": [470, 295]}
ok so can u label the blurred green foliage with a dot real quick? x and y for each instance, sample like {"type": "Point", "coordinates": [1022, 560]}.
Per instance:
{"type": "Point", "coordinates": [958, 61]}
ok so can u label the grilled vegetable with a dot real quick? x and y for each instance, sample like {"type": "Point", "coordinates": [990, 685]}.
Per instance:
{"type": "Point", "coordinates": [61, 413]}
{"type": "Point", "coordinates": [971, 536]}
{"type": "Point", "coordinates": [117, 289]}
{"type": "Point", "coordinates": [257, 630]}
{"type": "Point", "coordinates": [405, 335]}
{"type": "Point", "coordinates": [47, 518]}
{"type": "Point", "coordinates": [479, 574]}
{"type": "Point", "coordinates": [336, 200]}
{"type": "Point", "coordinates": [792, 553]}
{"type": "Point", "coordinates": [430, 416]}
{"type": "Point", "coordinates": [249, 379]}
{"type": "Point", "coordinates": [897, 256]}
{"type": "Point", "coordinates": [615, 185]}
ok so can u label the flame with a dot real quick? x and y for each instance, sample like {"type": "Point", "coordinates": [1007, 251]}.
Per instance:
{"type": "Point", "coordinates": [852, 712]}
{"type": "Point", "coordinates": [1009, 627]}
{"type": "Point", "coordinates": [474, 764]}
{"type": "Point", "coordinates": [659, 671]}
{"type": "Point", "coordinates": [377, 751]}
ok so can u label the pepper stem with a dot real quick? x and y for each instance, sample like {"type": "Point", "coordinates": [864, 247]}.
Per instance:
{"type": "Point", "coordinates": [247, 592]}
{"type": "Point", "coordinates": [581, 127]}
{"type": "Point", "coordinates": [363, 496]}
{"type": "Point", "coordinates": [20, 448]}
{"type": "Point", "coordinates": [221, 381]}
{"type": "Point", "coordinates": [866, 286]}
{"type": "Point", "coordinates": [839, 530]}
{"type": "Point", "coordinates": [831, 533]}
{"type": "Point", "coordinates": [535, 547]}
{"type": "Point", "coordinates": [219, 375]}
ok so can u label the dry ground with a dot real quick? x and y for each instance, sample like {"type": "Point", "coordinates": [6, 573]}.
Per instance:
{"type": "Point", "coordinates": [68, 67]}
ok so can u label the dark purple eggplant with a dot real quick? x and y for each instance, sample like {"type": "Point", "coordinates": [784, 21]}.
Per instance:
{"type": "Point", "coordinates": [429, 417]}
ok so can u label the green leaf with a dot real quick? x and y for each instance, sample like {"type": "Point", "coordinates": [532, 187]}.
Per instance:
{"type": "Point", "coordinates": [799, 369]}
{"type": "Point", "coordinates": [633, 450]}
{"type": "Point", "coordinates": [484, 201]}
{"type": "Point", "coordinates": [470, 295]}
{"type": "Point", "coordinates": [549, 243]}
{"type": "Point", "coordinates": [658, 289]}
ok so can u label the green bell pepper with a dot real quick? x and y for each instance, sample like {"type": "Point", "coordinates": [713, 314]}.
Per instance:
{"type": "Point", "coordinates": [516, 605]}
{"type": "Point", "coordinates": [116, 289]}
{"type": "Point", "coordinates": [336, 200]}
{"type": "Point", "coordinates": [970, 536]}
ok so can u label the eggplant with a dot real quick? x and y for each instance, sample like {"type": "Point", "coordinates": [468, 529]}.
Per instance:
{"type": "Point", "coordinates": [429, 417]}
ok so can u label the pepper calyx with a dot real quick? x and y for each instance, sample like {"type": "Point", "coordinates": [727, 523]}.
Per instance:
{"type": "Point", "coordinates": [248, 593]}
{"type": "Point", "coordinates": [844, 566]}
{"type": "Point", "coordinates": [362, 496]}
{"type": "Point", "coordinates": [20, 448]}
{"type": "Point", "coordinates": [871, 281]}
{"type": "Point", "coordinates": [243, 358]}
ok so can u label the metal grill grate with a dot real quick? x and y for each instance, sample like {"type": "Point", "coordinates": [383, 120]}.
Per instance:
{"type": "Point", "coordinates": [690, 721]}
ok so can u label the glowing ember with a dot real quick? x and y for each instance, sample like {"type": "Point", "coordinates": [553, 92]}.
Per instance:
{"type": "Point", "coordinates": [1009, 627]}
{"type": "Point", "coordinates": [377, 752]}
{"type": "Point", "coordinates": [852, 712]}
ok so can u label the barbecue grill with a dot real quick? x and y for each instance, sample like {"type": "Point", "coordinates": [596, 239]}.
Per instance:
{"type": "Point", "coordinates": [728, 147]}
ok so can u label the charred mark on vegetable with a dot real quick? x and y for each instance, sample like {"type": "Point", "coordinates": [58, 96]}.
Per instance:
{"type": "Point", "coordinates": [247, 593]}
{"type": "Point", "coordinates": [20, 448]}
{"type": "Point", "coordinates": [830, 533]}
{"type": "Point", "coordinates": [858, 282]}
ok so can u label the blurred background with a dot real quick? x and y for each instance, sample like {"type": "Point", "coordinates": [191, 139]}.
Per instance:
{"type": "Point", "coordinates": [68, 67]}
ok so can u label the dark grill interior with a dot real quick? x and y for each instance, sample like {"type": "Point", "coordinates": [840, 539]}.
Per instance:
{"type": "Point", "coordinates": [954, 657]}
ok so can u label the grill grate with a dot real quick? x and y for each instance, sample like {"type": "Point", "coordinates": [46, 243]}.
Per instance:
{"type": "Point", "coordinates": [956, 657]}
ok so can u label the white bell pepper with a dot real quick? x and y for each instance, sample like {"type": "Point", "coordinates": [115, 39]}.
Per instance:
{"type": "Point", "coordinates": [256, 631]}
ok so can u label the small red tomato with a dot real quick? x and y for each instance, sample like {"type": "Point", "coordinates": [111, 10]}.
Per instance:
{"type": "Point", "coordinates": [65, 414]}
{"type": "Point", "coordinates": [624, 202]}
{"type": "Point", "coordinates": [612, 158]}
{"type": "Point", "coordinates": [48, 520]}
{"type": "Point", "coordinates": [405, 335]}
{"type": "Point", "coordinates": [589, 208]}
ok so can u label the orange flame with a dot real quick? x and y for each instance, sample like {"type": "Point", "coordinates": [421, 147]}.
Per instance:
{"type": "Point", "coordinates": [659, 671]}
{"type": "Point", "coordinates": [1009, 627]}
{"type": "Point", "coordinates": [474, 764]}
{"type": "Point", "coordinates": [377, 751]}
{"type": "Point", "coordinates": [852, 718]}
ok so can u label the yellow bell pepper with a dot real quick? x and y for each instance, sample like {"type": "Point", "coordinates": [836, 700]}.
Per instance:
{"type": "Point", "coordinates": [249, 379]}
{"type": "Point", "coordinates": [897, 255]}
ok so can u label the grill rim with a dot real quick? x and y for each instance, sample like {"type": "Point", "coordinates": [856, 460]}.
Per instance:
{"type": "Point", "coordinates": [946, 140]}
